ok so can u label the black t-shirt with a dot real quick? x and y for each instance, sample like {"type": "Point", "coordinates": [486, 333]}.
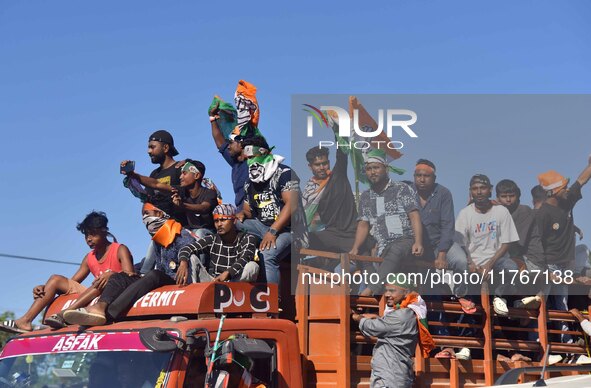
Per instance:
{"type": "Point", "coordinates": [265, 198]}
{"type": "Point", "coordinates": [200, 220]}
{"type": "Point", "coordinates": [529, 244]}
{"type": "Point", "coordinates": [162, 200]}
{"type": "Point", "coordinates": [557, 228]}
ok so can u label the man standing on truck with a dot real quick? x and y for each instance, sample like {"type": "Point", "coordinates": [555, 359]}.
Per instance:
{"type": "Point", "coordinates": [398, 332]}
{"type": "Point", "coordinates": [389, 211]}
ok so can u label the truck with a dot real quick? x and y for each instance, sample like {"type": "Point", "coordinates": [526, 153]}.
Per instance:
{"type": "Point", "coordinates": [236, 335]}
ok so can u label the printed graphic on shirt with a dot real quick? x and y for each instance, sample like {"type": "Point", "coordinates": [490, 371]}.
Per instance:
{"type": "Point", "coordinates": [165, 180]}
{"type": "Point", "coordinates": [486, 228]}
{"type": "Point", "coordinates": [268, 208]}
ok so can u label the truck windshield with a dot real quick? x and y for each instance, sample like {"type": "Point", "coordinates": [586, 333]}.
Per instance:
{"type": "Point", "coordinates": [85, 369]}
{"type": "Point", "coordinates": [89, 359]}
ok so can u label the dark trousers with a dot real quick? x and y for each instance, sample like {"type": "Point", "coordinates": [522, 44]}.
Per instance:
{"type": "Point", "coordinates": [123, 290]}
{"type": "Point", "coordinates": [395, 256]}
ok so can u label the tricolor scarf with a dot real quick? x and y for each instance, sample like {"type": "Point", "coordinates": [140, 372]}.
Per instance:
{"type": "Point", "coordinates": [414, 302]}
{"type": "Point", "coordinates": [311, 197]}
{"type": "Point", "coordinates": [261, 168]}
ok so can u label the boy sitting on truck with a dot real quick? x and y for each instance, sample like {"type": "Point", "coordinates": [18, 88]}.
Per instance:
{"type": "Point", "coordinates": [124, 289]}
{"type": "Point", "coordinates": [231, 252]}
{"type": "Point", "coordinates": [105, 259]}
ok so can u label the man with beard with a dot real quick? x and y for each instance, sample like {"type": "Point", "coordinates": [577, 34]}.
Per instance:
{"type": "Point", "coordinates": [436, 209]}
{"type": "Point", "coordinates": [389, 212]}
{"type": "Point", "coordinates": [124, 289]}
{"type": "Point", "coordinates": [329, 203]}
{"type": "Point", "coordinates": [398, 332]}
{"type": "Point", "coordinates": [555, 222]}
{"type": "Point", "coordinates": [485, 231]}
{"type": "Point", "coordinates": [268, 204]}
{"type": "Point", "coordinates": [231, 252]}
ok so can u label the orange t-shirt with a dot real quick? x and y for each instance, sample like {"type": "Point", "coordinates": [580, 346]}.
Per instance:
{"type": "Point", "coordinates": [109, 261]}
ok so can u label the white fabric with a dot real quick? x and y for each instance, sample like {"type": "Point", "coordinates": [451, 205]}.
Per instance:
{"type": "Point", "coordinates": [586, 325]}
{"type": "Point", "coordinates": [483, 234]}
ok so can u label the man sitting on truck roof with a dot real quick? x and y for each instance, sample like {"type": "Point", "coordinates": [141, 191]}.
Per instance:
{"type": "Point", "coordinates": [398, 331]}
{"type": "Point", "coordinates": [231, 253]}
{"type": "Point", "coordinates": [105, 259]}
{"type": "Point", "coordinates": [124, 289]}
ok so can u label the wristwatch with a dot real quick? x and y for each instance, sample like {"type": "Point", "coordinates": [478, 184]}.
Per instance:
{"type": "Point", "coordinates": [273, 231]}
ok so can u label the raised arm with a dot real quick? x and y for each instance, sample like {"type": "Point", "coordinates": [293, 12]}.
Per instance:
{"type": "Point", "coordinates": [586, 174]}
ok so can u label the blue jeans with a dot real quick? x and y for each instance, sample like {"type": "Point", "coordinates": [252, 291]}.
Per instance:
{"type": "Point", "coordinates": [558, 294]}
{"type": "Point", "coordinates": [270, 258]}
{"type": "Point", "coordinates": [150, 259]}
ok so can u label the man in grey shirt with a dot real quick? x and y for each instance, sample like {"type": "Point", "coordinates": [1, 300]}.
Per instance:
{"type": "Point", "coordinates": [397, 333]}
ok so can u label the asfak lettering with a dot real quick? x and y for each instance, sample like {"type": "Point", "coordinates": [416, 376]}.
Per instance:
{"type": "Point", "coordinates": [77, 343]}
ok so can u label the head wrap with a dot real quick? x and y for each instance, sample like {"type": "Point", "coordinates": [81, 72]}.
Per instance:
{"type": "Point", "coordinates": [224, 210]}
{"type": "Point", "coordinates": [375, 156]}
{"type": "Point", "coordinates": [153, 223]}
{"type": "Point", "coordinates": [423, 166]}
{"type": "Point", "coordinates": [261, 168]}
{"type": "Point", "coordinates": [552, 181]}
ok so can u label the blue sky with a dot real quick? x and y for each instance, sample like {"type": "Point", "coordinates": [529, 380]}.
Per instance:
{"type": "Point", "coordinates": [83, 84]}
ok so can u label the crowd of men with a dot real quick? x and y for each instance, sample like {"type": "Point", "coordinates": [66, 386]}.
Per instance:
{"type": "Point", "coordinates": [197, 238]}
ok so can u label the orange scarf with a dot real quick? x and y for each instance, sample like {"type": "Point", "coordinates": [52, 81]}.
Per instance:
{"type": "Point", "coordinates": [167, 233]}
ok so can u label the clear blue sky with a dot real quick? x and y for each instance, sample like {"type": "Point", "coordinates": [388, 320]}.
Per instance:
{"type": "Point", "coordinates": [83, 84]}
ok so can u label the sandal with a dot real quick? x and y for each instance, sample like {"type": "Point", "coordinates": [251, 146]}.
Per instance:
{"type": "Point", "coordinates": [11, 327]}
{"type": "Point", "coordinates": [56, 321]}
{"type": "Point", "coordinates": [464, 354]}
{"type": "Point", "coordinates": [503, 358]}
{"type": "Point", "coordinates": [520, 357]}
{"type": "Point", "coordinates": [467, 305]}
{"type": "Point", "coordinates": [500, 306]}
{"type": "Point", "coordinates": [82, 317]}
{"type": "Point", "coordinates": [446, 353]}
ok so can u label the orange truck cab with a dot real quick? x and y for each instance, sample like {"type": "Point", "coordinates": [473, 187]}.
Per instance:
{"type": "Point", "coordinates": [166, 339]}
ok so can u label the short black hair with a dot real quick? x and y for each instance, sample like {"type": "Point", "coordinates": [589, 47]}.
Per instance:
{"type": "Point", "coordinates": [538, 193]}
{"type": "Point", "coordinates": [316, 152]}
{"type": "Point", "coordinates": [257, 141]}
{"type": "Point", "coordinates": [507, 186]}
{"type": "Point", "coordinates": [94, 221]}
{"type": "Point", "coordinates": [427, 162]}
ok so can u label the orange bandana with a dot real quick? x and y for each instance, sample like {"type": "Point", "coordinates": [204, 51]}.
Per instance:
{"type": "Point", "coordinates": [167, 233]}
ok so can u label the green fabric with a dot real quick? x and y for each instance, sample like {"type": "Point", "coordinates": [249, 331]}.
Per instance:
{"type": "Point", "coordinates": [228, 116]}
{"type": "Point", "coordinates": [356, 155]}
{"type": "Point", "coordinates": [262, 159]}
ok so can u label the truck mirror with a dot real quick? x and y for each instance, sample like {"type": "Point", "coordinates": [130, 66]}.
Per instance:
{"type": "Point", "coordinates": [251, 347]}
{"type": "Point", "coordinates": [158, 340]}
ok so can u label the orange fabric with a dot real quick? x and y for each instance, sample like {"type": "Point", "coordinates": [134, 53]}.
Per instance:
{"type": "Point", "coordinates": [552, 180]}
{"type": "Point", "coordinates": [426, 342]}
{"type": "Point", "coordinates": [167, 233]}
{"type": "Point", "coordinates": [322, 182]}
{"type": "Point", "coordinates": [110, 261]}
{"type": "Point", "coordinates": [149, 206]}
{"type": "Point", "coordinates": [249, 91]}
{"type": "Point", "coordinates": [425, 167]}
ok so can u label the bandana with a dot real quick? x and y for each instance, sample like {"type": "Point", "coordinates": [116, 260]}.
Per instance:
{"type": "Point", "coordinates": [375, 156]}
{"type": "Point", "coordinates": [167, 233]}
{"type": "Point", "coordinates": [188, 167]}
{"type": "Point", "coordinates": [423, 166]}
{"type": "Point", "coordinates": [552, 181]}
{"type": "Point", "coordinates": [153, 223]}
{"type": "Point", "coordinates": [225, 210]}
{"type": "Point", "coordinates": [251, 150]}
{"type": "Point", "coordinates": [261, 168]}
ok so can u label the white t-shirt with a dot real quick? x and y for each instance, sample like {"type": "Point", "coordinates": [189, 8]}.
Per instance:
{"type": "Point", "coordinates": [483, 234]}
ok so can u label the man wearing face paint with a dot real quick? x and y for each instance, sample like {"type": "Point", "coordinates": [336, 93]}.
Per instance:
{"type": "Point", "coordinates": [268, 204]}
{"type": "Point", "coordinates": [122, 290]}
{"type": "Point", "coordinates": [231, 252]}
{"type": "Point", "coordinates": [485, 231]}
